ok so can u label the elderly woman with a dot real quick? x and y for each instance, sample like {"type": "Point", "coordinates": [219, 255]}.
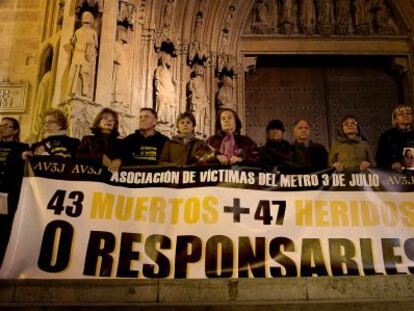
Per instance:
{"type": "Point", "coordinates": [104, 146]}
{"type": "Point", "coordinates": [184, 148]}
{"type": "Point", "coordinates": [350, 151]}
{"type": "Point", "coordinates": [229, 146]}
{"type": "Point", "coordinates": [11, 172]}
{"type": "Point", "coordinates": [55, 142]}
{"type": "Point", "coordinates": [393, 141]}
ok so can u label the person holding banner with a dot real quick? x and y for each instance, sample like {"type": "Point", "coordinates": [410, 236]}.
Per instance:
{"type": "Point", "coordinates": [55, 141]}
{"type": "Point", "coordinates": [11, 174]}
{"type": "Point", "coordinates": [350, 151]}
{"type": "Point", "coordinates": [228, 146]}
{"type": "Point", "coordinates": [145, 145]}
{"type": "Point", "coordinates": [185, 148]}
{"type": "Point", "coordinates": [392, 142]}
{"type": "Point", "coordinates": [104, 146]}
{"type": "Point", "coordinates": [276, 152]}
{"type": "Point", "coordinates": [307, 155]}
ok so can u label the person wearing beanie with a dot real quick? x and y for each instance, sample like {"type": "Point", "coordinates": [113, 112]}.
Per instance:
{"type": "Point", "coordinates": [276, 152]}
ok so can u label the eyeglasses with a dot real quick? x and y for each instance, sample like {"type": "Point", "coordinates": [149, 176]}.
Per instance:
{"type": "Point", "coordinates": [404, 113]}
{"type": "Point", "coordinates": [349, 123]}
{"type": "Point", "coordinates": [50, 122]}
{"type": "Point", "coordinates": [6, 126]}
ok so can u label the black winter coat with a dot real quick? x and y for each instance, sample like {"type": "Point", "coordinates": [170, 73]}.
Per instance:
{"type": "Point", "coordinates": [93, 147]}
{"type": "Point", "coordinates": [391, 145]}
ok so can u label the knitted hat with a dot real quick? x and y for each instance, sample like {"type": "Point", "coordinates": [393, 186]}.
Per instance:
{"type": "Point", "coordinates": [275, 124]}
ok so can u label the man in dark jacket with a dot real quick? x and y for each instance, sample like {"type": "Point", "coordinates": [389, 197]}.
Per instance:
{"type": "Point", "coordinates": [307, 155]}
{"type": "Point", "coordinates": [145, 145]}
{"type": "Point", "coordinates": [11, 174]}
{"type": "Point", "coordinates": [393, 141]}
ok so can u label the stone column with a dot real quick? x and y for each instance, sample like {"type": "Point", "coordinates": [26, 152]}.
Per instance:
{"type": "Point", "coordinates": [64, 54]}
{"type": "Point", "coordinates": [106, 54]}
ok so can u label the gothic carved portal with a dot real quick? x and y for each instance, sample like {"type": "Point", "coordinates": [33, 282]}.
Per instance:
{"type": "Point", "coordinates": [189, 55]}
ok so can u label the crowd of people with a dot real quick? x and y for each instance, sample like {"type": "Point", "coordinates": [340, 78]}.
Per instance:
{"type": "Point", "coordinates": [146, 146]}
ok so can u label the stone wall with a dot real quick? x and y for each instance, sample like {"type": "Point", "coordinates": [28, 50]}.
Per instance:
{"type": "Point", "coordinates": [21, 26]}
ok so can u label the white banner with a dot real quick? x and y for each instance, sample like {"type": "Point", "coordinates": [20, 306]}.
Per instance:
{"type": "Point", "coordinates": [87, 229]}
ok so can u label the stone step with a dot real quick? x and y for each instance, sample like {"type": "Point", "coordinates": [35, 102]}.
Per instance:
{"type": "Point", "coordinates": [324, 293]}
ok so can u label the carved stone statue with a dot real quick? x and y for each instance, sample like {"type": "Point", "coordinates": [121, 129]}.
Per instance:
{"type": "Point", "coordinates": [229, 19]}
{"type": "Point", "coordinates": [198, 27]}
{"type": "Point", "coordinates": [361, 17]}
{"type": "Point", "coordinates": [383, 19]}
{"type": "Point", "coordinates": [326, 17]}
{"type": "Point", "coordinates": [120, 70]}
{"type": "Point", "coordinates": [98, 4]}
{"type": "Point", "coordinates": [225, 96]}
{"type": "Point", "coordinates": [225, 44]}
{"type": "Point", "coordinates": [43, 98]}
{"type": "Point", "coordinates": [165, 91]}
{"type": "Point", "coordinates": [202, 6]}
{"type": "Point", "coordinates": [44, 95]}
{"type": "Point", "coordinates": [85, 50]}
{"type": "Point", "coordinates": [287, 19]}
{"type": "Point", "coordinates": [199, 103]}
{"type": "Point", "coordinates": [126, 12]}
{"type": "Point", "coordinates": [60, 14]}
{"type": "Point", "coordinates": [307, 17]}
{"type": "Point", "coordinates": [263, 16]}
{"type": "Point", "coordinates": [342, 17]}
{"type": "Point", "coordinates": [168, 13]}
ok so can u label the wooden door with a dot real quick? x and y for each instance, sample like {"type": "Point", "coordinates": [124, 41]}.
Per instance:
{"type": "Point", "coordinates": [321, 90]}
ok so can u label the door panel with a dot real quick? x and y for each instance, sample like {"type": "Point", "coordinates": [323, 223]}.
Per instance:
{"type": "Point", "coordinates": [367, 93]}
{"type": "Point", "coordinates": [286, 94]}
{"type": "Point", "coordinates": [322, 94]}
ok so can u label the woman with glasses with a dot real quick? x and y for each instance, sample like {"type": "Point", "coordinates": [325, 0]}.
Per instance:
{"type": "Point", "coordinates": [11, 173]}
{"type": "Point", "coordinates": [104, 146]}
{"type": "Point", "coordinates": [350, 151]}
{"type": "Point", "coordinates": [392, 142]}
{"type": "Point", "coordinates": [55, 142]}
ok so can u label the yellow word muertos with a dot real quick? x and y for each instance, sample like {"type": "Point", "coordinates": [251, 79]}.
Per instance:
{"type": "Point", "coordinates": [155, 209]}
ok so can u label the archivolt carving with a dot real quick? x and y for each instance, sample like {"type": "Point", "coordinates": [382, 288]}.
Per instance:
{"type": "Point", "coordinates": [324, 17]}
{"type": "Point", "coordinates": [264, 16]}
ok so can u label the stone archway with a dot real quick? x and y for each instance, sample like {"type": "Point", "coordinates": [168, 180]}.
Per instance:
{"type": "Point", "coordinates": [216, 35]}
{"type": "Point", "coordinates": [282, 36]}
